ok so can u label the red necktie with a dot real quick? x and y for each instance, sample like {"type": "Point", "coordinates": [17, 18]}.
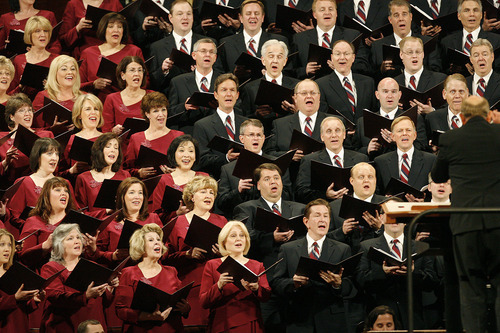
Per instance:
{"type": "Point", "coordinates": [336, 158]}
{"type": "Point", "coordinates": [291, 3]}
{"type": "Point", "coordinates": [361, 14]}
{"type": "Point", "coordinates": [276, 210]}
{"type": "Point", "coordinates": [481, 87]}
{"type": "Point", "coordinates": [308, 127]}
{"type": "Point", "coordinates": [204, 83]}
{"type": "Point", "coordinates": [434, 9]}
{"type": "Point", "coordinates": [183, 46]}
{"type": "Point", "coordinates": [229, 128]}
{"type": "Point", "coordinates": [350, 94]}
{"type": "Point", "coordinates": [326, 41]}
{"type": "Point", "coordinates": [454, 122]}
{"type": "Point", "coordinates": [274, 81]}
{"type": "Point", "coordinates": [468, 43]}
{"type": "Point", "coordinates": [405, 169]}
{"type": "Point", "coordinates": [395, 248]}
{"type": "Point", "coordinates": [251, 49]}
{"type": "Point", "coordinates": [413, 84]}
{"type": "Point", "coordinates": [315, 252]}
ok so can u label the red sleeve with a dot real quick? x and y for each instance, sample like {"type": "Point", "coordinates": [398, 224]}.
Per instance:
{"type": "Point", "coordinates": [8, 302]}
{"type": "Point", "coordinates": [124, 296]}
{"type": "Point", "coordinates": [264, 291]}
{"type": "Point", "coordinates": [81, 197]}
{"type": "Point", "coordinates": [108, 114]}
{"type": "Point", "coordinates": [210, 294]}
{"type": "Point", "coordinates": [38, 101]}
{"type": "Point", "coordinates": [158, 194]}
{"type": "Point", "coordinates": [3, 32]}
{"type": "Point", "coordinates": [68, 33]}
{"type": "Point", "coordinates": [58, 294]}
{"type": "Point", "coordinates": [131, 155]}
{"type": "Point", "coordinates": [17, 204]}
{"type": "Point", "coordinates": [32, 251]}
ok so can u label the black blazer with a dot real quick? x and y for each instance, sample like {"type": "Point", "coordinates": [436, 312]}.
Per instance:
{"type": "Point", "coordinates": [492, 92]}
{"type": "Point", "coordinates": [376, 17]}
{"type": "Point", "coordinates": [447, 7]}
{"type": "Point", "coordinates": [437, 121]}
{"type": "Point", "coordinates": [428, 79]}
{"type": "Point", "coordinates": [263, 247]}
{"type": "Point", "coordinates": [205, 129]}
{"type": "Point", "coordinates": [271, 5]}
{"type": "Point", "coordinates": [303, 191]}
{"type": "Point", "coordinates": [302, 40]}
{"type": "Point", "coordinates": [315, 307]}
{"type": "Point", "coordinates": [235, 45]}
{"type": "Point", "coordinates": [333, 94]}
{"type": "Point", "coordinates": [469, 157]}
{"type": "Point", "coordinates": [283, 129]}
{"type": "Point", "coordinates": [388, 167]}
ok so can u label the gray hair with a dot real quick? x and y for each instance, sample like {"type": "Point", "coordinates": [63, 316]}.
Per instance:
{"type": "Point", "coordinates": [204, 40]}
{"type": "Point", "coordinates": [273, 42]}
{"type": "Point", "coordinates": [58, 236]}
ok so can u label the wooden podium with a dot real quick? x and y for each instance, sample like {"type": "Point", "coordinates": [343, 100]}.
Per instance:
{"type": "Point", "coordinates": [395, 209]}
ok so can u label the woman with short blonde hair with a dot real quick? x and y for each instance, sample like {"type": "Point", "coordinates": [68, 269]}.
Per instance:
{"type": "Point", "coordinates": [7, 72]}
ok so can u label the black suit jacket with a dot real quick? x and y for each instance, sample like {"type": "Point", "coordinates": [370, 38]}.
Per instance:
{"type": "Point", "coordinates": [283, 129]}
{"type": "Point", "coordinates": [229, 197]}
{"type": "Point", "coordinates": [302, 40]}
{"type": "Point", "coordinates": [333, 94]}
{"type": "Point", "coordinates": [454, 41]}
{"type": "Point", "coordinates": [303, 191]}
{"type": "Point", "coordinates": [360, 141]}
{"type": "Point", "coordinates": [469, 157]}
{"type": "Point", "coordinates": [219, 31]}
{"type": "Point", "coordinates": [181, 88]}
{"type": "Point", "coordinates": [205, 129]}
{"type": "Point", "coordinates": [271, 5]}
{"type": "Point", "coordinates": [387, 166]}
{"type": "Point", "coordinates": [437, 121]}
{"type": "Point", "coordinates": [235, 45]}
{"type": "Point", "coordinates": [382, 289]}
{"type": "Point", "coordinates": [492, 92]}
{"type": "Point", "coordinates": [315, 307]}
{"type": "Point", "coordinates": [263, 247]}
{"type": "Point", "coordinates": [376, 17]}
{"type": "Point", "coordinates": [428, 80]}
{"type": "Point", "coordinates": [355, 237]}
{"type": "Point", "coordinates": [447, 7]}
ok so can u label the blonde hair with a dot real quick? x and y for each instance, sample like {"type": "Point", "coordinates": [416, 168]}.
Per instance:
{"type": "Point", "coordinates": [78, 106]}
{"type": "Point", "coordinates": [7, 63]}
{"type": "Point", "coordinates": [400, 119]}
{"type": "Point", "coordinates": [36, 22]}
{"type": "Point", "coordinates": [409, 39]}
{"type": "Point", "coordinates": [138, 243]}
{"type": "Point", "coordinates": [4, 232]}
{"type": "Point", "coordinates": [52, 86]}
{"type": "Point", "coordinates": [224, 233]}
{"type": "Point", "coordinates": [475, 106]}
{"type": "Point", "coordinates": [196, 184]}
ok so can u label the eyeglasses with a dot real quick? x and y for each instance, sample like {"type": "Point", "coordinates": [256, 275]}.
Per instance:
{"type": "Point", "coordinates": [252, 136]}
{"type": "Point", "coordinates": [345, 54]}
{"type": "Point", "coordinates": [203, 51]}
{"type": "Point", "coordinates": [305, 93]}
{"type": "Point", "coordinates": [411, 53]}
{"type": "Point", "coordinates": [24, 111]}
{"type": "Point", "coordinates": [135, 70]}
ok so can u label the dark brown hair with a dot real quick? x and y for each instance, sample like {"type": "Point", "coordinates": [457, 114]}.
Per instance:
{"type": "Point", "coordinates": [41, 146]}
{"type": "Point", "coordinates": [97, 155]}
{"type": "Point", "coordinates": [120, 199]}
{"type": "Point", "coordinates": [153, 100]}
{"type": "Point", "coordinates": [316, 202]}
{"type": "Point", "coordinates": [265, 166]}
{"type": "Point", "coordinates": [14, 103]}
{"type": "Point", "coordinates": [122, 68]}
{"type": "Point", "coordinates": [111, 18]}
{"type": "Point", "coordinates": [43, 208]}
{"type": "Point", "coordinates": [224, 77]}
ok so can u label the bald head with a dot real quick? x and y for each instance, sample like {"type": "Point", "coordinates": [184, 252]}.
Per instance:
{"type": "Point", "coordinates": [475, 106]}
{"type": "Point", "coordinates": [388, 94]}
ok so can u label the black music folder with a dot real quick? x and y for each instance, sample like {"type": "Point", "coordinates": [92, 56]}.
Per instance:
{"type": "Point", "coordinates": [34, 75]}
{"type": "Point", "coordinates": [448, 22]}
{"type": "Point", "coordinates": [148, 157]}
{"type": "Point", "coordinates": [366, 32]}
{"type": "Point", "coordinates": [349, 125]}
{"type": "Point", "coordinates": [202, 234]}
{"type": "Point", "coordinates": [435, 94]}
{"type": "Point", "coordinates": [210, 10]}
{"type": "Point", "coordinates": [459, 59]}
{"type": "Point", "coordinates": [222, 144]}
{"type": "Point", "coordinates": [107, 70]}
{"type": "Point", "coordinates": [95, 14]}
{"type": "Point", "coordinates": [354, 208]}
{"type": "Point", "coordinates": [373, 122]}
{"type": "Point", "coordinates": [54, 109]}
{"type": "Point", "coordinates": [490, 9]}
{"type": "Point", "coordinates": [25, 139]}
{"type": "Point", "coordinates": [16, 42]}
{"type": "Point", "coordinates": [171, 198]}
{"type": "Point", "coordinates": [435, 137]}
{"type": "Point", "coordinates": [268, 221]}
{"type": "Point", "coordinates": [273, 94]}
{"type": "Point", "coordinates": [320, 55]}
{"type": "Point", "coordinates": [129, 228]}
{"type": "Point", "coordinates": [106, 198]}
{"type": "Point", "coordinates": [311, 267]}
{"type": "Point", "coordinates": [88, 224]}
{"type": "Point", "coordinates": [247, 162]}
{"type": "Point", "coordinates": [9, 192]}
{"type": "Point", "coordinates": [135, 125]}
{"type": "Point", "coordinates": [396, 186]}
{"type": "Point", "coordinates": [81, 150]}
{"type": "Point", "coordinates": [379, 256]}
{"type": "Point", "coordinates": [64, 137]}
{"type": "Point", "coordinates": [286, 16]}
{"type": "Point", "coordinates": [6, 137]}
{"type": "Point", "coordinates": [19, 274]}
{"type": "Point", "coordinates": [252, 63]}
{"type": "Point", "coordinates": [238, 271]}
{"type": "Point", "coordinates": [182, 60]}
{"type": "Point", "coordinates": [323, 175]}
{"type": "Point", "coordinates": [3, 123]}
{"type": "Point", "coordinates": [305, 143]}
{"type": "Point", "coordinates": [205, 99]}
{"type": "Point", "coordinates": [86, 272]}
{"type": "Point", "coordinates": [391, 52]}
{"type": "Point", "coordinates": [152, 8]}
{"type": "Point", "coordinates": [147, 297]}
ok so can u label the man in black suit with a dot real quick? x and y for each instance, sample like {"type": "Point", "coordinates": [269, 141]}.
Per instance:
{"type": "Point", "coordinates": [265, 246]}
{"type": "Point", "coordinates": [307, 120]}
{"type": "Point", "coordinates": [184, 85]}
{"type": "Point", "coordinates": [454, 92]}
{"type": "Point", "coordinates": [271, 5]}
{"type": "Point", "coordinates": [313, 306]}
{"type": "Point", "coordinates": [407, 163]}
{"type": "Point", "coordinates": [388, 94]}
{"type": "Point", "coordinates": [274, 58]}
{"type": "Point", "coordinates": [375, 12]}
{"type": "Point", "coordinates": [333, 135]}
{"type": "Point", "coordinates": [343, 90]}
{"type": "Point", "coordinates": [470, 13]}
{"type": "Point", "coordinates": [469, 157]}
{"type": "Point", "coordinates": [400, 18]}
{"type": "Point", "coordinates": [226, 25]}
{"type": "Point", "coordinates": [325, 13]}
{"type": "Point", "coordinates": [414, 75]}
{"type": "Point", "coordinates": [225, 123]}
{"type": "Point", "coordinates": [250, 40]}
{"type": "Point", "coordinates": [233, 190]}
{"type": "Point", "coordinates": [485, 82]}
{"type": "Point", "coordinates": [182, 39]}
{"type": "Point", "coordinates": [385, 284]}
{"type": "Point", "coordinates": [435, 9]}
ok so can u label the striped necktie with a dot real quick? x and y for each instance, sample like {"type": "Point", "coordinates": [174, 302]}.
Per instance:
{"type": "Point", "coordinates": [292, 4]}
{"type": "Point", "coordinates": [434, 9]}
{"type": "Point", "coordinates": [413, 83]}
{"type": "Point", "coordinates": [308, 128]}
{"type": "Point", "coordinates": [336, 159]}
{"type": "Point", "coordinates": [361, 13]}
{"type": "Point", "coordinates": [251, 49]}
{"type": "Point", "coordinates": [314, 252]}
{"type": "Point", "coordinates": [229, 128]}
{"type": "Point", "coordinates": [276, 209]}
{"type": "Point", "coordinates": [326, 41]}
{"type": "Point", "coordinates": [395, 247]}
{"type": "Point", "coordinates": [204, 84]}
{"type": "Point", "coordinates": [350, 94]}
{"type": "Point", "coordinates": [481, 87]}
{"type": "Point", "coordinates": [454, 122]}
{"type": "Point", "coordinates": [183, 46]}
{"type": "Point", "coordinates": [468, 44]}
{"type": "Point", "coordinates": [405, 169]}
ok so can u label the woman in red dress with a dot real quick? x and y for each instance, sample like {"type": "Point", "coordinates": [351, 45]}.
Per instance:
{"type": "Point", "coordinates": [54, 203]}
{"type": "Point", "coordinates": [182, 154]}
{"type": "Point", "coordinates": [126, 103]}
{"type": "Point", "coordinates": [22, 10]}
{"type": "Point", "coordinates": [199, 197]}
{"type": "Point", "coordinates": [147, 246]}
{"type": "Point", "coordinates": [18, 111]}
{"type": "Point", "coordinates": [14, 308]}
{"type": "Point", "coordinates": [113, 31]}
{"type": "Point", "coordinates": [66, 307]}
{"type": "Point", "coordinates": [63, 86]}
{"type": "Point", "coordinates": [106, 164]}
{"type": "Point", "coordinates": [7, 72]}
{"type": "Point", "coordinates": [233, 309]}
{"type": "Point", "coordinates": [75, 33]}
{"type": "Point", "coordinates": [87, 117]}
{"type": "Point", "coordinates": [37, 34]}
{"type": "Point", "coordinates": [157, 137]}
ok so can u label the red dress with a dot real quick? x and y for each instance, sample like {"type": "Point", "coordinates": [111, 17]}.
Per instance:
{"type": "Point", "coordinates": [189, 269]}
{"type": "Point", "coordinates": [65, 307]}
{"type": "Point", "coordinates": [9, 22]}
{"type": "Point", "coordinates": [87, 188]}
{"type": "Point", "coordinates": [115, 112]}
{"type": "Point", "coordinates": [79, 41]}
{"type": "Point", "coordinates": [166, 280]}
{"type": "Point", "coordinates": [167, 180]}
{"type": "Point", "coordinates": [21, 166]}
{"type": "Point", "coordinates": [19, 63]}
{"type": "Point", "coordinates": [38, 104]}
{"type": "Point", "coordinates": [233, 310]}
{"type": "Point", "coordinates": [14, 316]}
{"type": "Point", "coordinates": [92, 59]}
{"type": "Point", "coordinates": [137, 140]}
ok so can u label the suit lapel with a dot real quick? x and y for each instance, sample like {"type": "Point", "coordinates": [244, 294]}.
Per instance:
{"type": "Point", "coordinates": [424, 81]}
{"type": "Point", "coordinates": [417, 164]}
{"type": "Point", "coordinates": [301, 249]}
{"type": "Point", "coordinates": [373, 12]}
{"type": "Point", "coordinates": [323, 157]}
{"type": "Point", "coordinates": [393, 165]}
{"type": "Point", "coordinates": [493, 86]}
{"type": "Point", "coordinates": [191, 83]}
{"type": "Point", "coordinates": [327, 252]}
{"type": "Point", "coordinates": [339, 90]}
{"type": "Point", "coordinates": [218, 126]}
